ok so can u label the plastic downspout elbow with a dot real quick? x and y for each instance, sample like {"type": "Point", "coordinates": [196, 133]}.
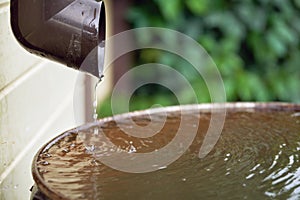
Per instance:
{"type": "Point", "coordinates": [66, 31]}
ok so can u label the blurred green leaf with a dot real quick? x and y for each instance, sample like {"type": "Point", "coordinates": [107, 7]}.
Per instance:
{"type": "Point", "coordinates": [287, 34]}
{"type": "Point", "coordinates": [230, 88]}
{"type": "Point", "coordinates": [202, 93]}
{"type": "Point", "coordinates": [258, 89]}
{"type": "Point", "coordinates": [230, 44]}
{"type": "Point", "coordinates": [244, 87]}
{"type": "Point", "coordinates": [230, 65]}
{"type": "Point", "coordinates": [257, 21]}
{"type": "Point", "coordinates": [295, 23]}
{"type": "Point", "coordinates": [293, 84]}
{"type": "Point", "coordinates": [275, 43]}
{"type": "Point", "coordinates": [170, 9]}
{"type": "Point", "coordinates": [227, 22]}
{"type": "Point", "coordinates": [193, 28]}
{"type": "Point", "coordinates": [286, 8]}
{"type": "Point", "coordinates": [197, 7]}
{"type": "Point", "coordinates": [208, 42]}
{"type": "Point", "coordinates": [138, 17]}
{"type": "Point", "coordinates": [297, 3]}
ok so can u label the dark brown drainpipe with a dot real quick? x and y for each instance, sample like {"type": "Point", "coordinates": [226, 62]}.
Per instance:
{"type": "Point", "coordinates": [62, 30]}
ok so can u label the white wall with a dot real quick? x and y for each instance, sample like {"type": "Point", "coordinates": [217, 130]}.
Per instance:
{"type": "Point", "coordinates": [36, 104]}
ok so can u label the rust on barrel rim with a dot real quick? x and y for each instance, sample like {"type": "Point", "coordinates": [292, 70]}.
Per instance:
{"type": "Point", "coordinates": [202, 108]}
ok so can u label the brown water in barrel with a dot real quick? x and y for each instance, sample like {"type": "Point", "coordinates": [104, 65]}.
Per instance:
{"type": "Point", "coordinates": [256, 157]}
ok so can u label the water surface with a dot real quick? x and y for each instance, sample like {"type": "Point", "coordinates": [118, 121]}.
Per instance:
{"type": "Point", "coordinates": [256, 157]}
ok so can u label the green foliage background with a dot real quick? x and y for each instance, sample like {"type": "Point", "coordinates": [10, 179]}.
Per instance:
{"type": "Point", "coordinates": [254, 43]}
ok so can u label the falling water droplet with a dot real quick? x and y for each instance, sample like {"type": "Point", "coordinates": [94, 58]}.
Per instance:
{"type": "Point", "coordinates": [162, 167]}
{"type": "Point", "coordinates": [132, 148]}
{"type": "Point", "coordinates": [90, 148]}
{"type": "Point", "coordinates": [297, 114]}
{"type": "Point", "coordinates": [43, 162]}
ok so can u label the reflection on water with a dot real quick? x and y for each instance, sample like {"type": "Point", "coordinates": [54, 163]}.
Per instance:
{"type": "Point", "coordinates": [256, 157]}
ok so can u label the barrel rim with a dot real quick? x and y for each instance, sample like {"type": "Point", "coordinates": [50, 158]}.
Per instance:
{"type": "Point", "coordinates": [203, 108]}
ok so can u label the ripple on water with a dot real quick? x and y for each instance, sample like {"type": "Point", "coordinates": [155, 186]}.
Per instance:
{"type": "Point", "coordinates": [256, 157]}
